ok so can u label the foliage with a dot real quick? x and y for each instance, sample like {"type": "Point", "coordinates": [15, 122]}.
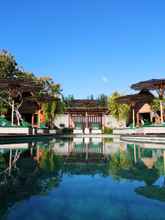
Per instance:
{"type": "Point", "coordinates": [108, 130]}
{"type": "Point", "coordinates": [8, 65]}
{"type": "Point", "coordinates": [119, 111]}
{"type": "Point", "coordinates": [3, 108]}
{"type": "Point", "coordinates": [156, 104]}
{"type": "Point", "coordinates": [119, 161]}
{"type": "Point", "coordinates": [67, 131]}
{"type": "Point", "coordinates": [68, 100]}
{"type": "Point", "coordinates": [91, 97]}
{"type": "Point", "coordinates": [26, 75]}
{"type": "Point", "coordinates": [49, 162]}
{"type": "Point", "coordinates": [102, 100]}
{"type": "Point", "coordinates": [9, 69]}
{"type": "Point", "coordinates": [152, 192]}
{"type": "Point", "coordinates": [121, 166]}
{"type": "Point", "coordinates": [54, 106]}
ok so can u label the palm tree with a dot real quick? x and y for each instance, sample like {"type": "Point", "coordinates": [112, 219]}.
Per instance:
{"type": "Point", "coordinates": [119, 111]}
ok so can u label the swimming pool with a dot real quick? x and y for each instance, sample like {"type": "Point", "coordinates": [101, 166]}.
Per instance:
{"type": "Point", "coordinates": [82, 178]}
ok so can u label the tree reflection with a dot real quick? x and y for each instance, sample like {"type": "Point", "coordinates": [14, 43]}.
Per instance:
{"type": "Point", "coordinates": [155, 191]}
{"type": "Point", "coordinates": [119, 162]}
{"type": "Point", "coordinates": [122, 166]}
{"type": "Point", "coordinates": [28, 177]}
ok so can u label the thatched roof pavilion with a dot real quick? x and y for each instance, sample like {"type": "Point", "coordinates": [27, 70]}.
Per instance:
{"type": "Point", "coordinates": [154, 84]}
{"type": "Point", "coordinates": [12, 90]}
{"type": "Point", "coordinates": [86, 112]}
{"type": "Point", "coordinates": [136, 101]}
{"type": "Point", "coordinates": [142, 96]}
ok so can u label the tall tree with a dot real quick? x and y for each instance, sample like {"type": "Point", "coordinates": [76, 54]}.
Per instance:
{"type": "Point", "coordinates": [68, 100]}
{"type": "Point", "coordinates": [8, 65]}
{"type": "Point", "coordinates": [54, 106]}
{"type": "Point", "coordinates": [119, 111]}
{"type": "Point", "coordinates": [102, 100]}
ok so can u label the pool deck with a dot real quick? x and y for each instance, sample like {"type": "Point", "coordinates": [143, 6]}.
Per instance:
{"type": "Point", "coordinates": [157, 139]}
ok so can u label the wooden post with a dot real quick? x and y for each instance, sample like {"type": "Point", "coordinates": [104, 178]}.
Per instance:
{"type": "Point", "coordinates": [133, 116]}
{"type": "Point", "coordinates": [86, 117]}
{"type": "Point", "coordinates": [137, 119]}
{"type": "Point", "coordinates": [39, 118]}
{"type": "Point", "coordinates": [12, 113]}
{"type": "Point", "coordinates": [10, 162]}
{"type": "Point", "coordinates": [32, 120]}
{"type": "Point", "coordinates": [135, 159]}
{"type": "Point", "coordinates": [161, 111]}
{"type": "Point", "coordinates": [161, 95]}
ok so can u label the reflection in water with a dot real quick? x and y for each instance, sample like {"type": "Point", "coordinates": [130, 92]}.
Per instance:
{"type": "Point", "coordinates": [37, 168]}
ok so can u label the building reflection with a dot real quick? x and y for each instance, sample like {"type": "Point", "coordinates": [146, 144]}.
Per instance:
{"type": "Point", "coordinates": [87, 146]}
{"type": "Point", "coordinates": [26, 162]}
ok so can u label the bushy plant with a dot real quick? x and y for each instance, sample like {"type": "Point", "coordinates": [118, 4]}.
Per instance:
{"type": "Point", "coordinates": [107, 130]}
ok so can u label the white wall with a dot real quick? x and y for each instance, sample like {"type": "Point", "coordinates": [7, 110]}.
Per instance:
{"type": "Point", "coordinates": [14, 130]}
{"type": "Point", "coordinates": [62, 119]}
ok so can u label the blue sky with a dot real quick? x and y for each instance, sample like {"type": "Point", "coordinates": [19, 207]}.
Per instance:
{"type": "Point", "coordinates": [88, 46]}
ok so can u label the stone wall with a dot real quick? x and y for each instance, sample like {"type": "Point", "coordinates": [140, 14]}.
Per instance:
{"type": "Point", "coordinates": [111, 122]}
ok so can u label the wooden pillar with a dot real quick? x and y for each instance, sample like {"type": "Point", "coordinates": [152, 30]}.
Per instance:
{"type": "Point", "coordinates": [161, 111]}
{"type": "Point", "coordinates": [86, 118]}
{"type": "Point", "coordinates": [137, 119]}
{"type": "Point", "coordinates": [10, 162]}
{"type": "Point", "coordinates": [161, 91]}
{"type": "Point", "coordinates": [139, 154]}
{"type": "Point", "coordinates": [32, 120]}
{"type": "Point", "coordinates": [135, 159]}
{"type": "Point", "coordinates": [39, 122]}
{"type": "Point", "coordinates": [12, 113]}
{"type": "Point", "coordinates": [151, 119]}
{"type": "Point", "coordinates": [133, 117]}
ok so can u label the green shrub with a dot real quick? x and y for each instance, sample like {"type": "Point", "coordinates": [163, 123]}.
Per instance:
{"type": "Point", "coordinates": [67, 130]}
{"type": "Point", "coordinates": [107, 130]}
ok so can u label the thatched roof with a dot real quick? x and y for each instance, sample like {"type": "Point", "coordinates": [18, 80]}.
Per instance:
{"type": "Point", "coordinates": [24, 85]}
{"type": "Point", "coordinates": [152, 84]}
{"type": "Point", "coordinates": [86, 105]}
{"type": "Point", "coordinates": [41, 99]}
{"type": "Point", "coordinates": [78, 103]}
{"type": "Point", "coordinates": [142, 96]}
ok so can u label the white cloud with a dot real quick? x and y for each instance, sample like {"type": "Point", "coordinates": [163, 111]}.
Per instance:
{"type": "Point", "coordinates": [104, 79]}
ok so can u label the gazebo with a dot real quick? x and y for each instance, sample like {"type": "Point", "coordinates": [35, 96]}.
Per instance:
{"type": "Point", "coordinates": [86, 113]}
{"type": "Point", "coordinates": [157, 85]}
{"type": "Point", "coordinates": [32, 108]}
{"type": "Point", "coordinates": [134, 100]}
{"type": "Point", "coordinates": [11, 94]}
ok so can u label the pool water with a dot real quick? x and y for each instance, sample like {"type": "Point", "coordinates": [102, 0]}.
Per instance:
{"type": "Point", "coordinates": [77, 179]}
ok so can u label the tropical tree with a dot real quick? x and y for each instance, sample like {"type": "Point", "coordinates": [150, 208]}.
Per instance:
{"type": "Point", "coordinates": [54, 105]}
{"type": "Point", "coordinates": [68, 100]}
{"type": "Point", "coordinates": [156, 104]}
{"type": "Point", "coordinates": [119, 161]}
{"type": "Point", "coordinates": [8, 65]}
{"type": "Point", "coordinates": [9, 69]}
{"type": "Point", "coordinates": [102, 100]}
{"type": "Point", "coordinates": [119, 111]}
